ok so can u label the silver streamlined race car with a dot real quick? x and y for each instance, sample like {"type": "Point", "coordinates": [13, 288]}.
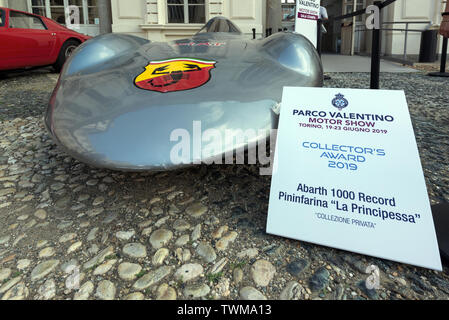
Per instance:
{"type": "Point", "coordinates": [119, 98]}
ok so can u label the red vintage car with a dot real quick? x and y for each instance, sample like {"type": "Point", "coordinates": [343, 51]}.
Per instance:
{"type": "Point", "coordinates": [28, 40]}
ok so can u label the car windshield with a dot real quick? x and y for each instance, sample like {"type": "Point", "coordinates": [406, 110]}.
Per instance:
{"type": "Point", "coordinates": [2, 18]}
{"type": "Point", "coordinates": [220, 24]}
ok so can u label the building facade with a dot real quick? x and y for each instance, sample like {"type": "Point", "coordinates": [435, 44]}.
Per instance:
{"type": "Point", "coordinates": [426, 12]}
{"type": "Point", "coordinates": [349, 36]}
{"type": "Point", "coordinates": [165, 20]}
{"type": "Point", "coordinates": [56, 10]}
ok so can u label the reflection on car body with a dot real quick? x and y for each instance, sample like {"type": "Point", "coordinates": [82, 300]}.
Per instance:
{"type": "Point", "coordinates": [120, 97]}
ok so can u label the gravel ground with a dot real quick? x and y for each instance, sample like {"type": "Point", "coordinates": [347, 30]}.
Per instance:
{"type": "Point", "coordinates": [69, 231]}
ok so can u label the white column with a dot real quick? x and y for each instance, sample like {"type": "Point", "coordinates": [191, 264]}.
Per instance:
{"type": "Point", "coordinates": [16, 4]}
{"type": "Point", "coordinates": [215, 8]}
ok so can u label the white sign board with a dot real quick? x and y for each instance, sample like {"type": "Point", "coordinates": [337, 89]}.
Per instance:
{"type": "Point", "coordinates": [307, 14]}
{"type": "Point", "coordinates": [347, 174]}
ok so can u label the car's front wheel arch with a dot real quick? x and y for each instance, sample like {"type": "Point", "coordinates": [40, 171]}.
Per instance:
{"type": "Point", "coordinates": [67, 49]}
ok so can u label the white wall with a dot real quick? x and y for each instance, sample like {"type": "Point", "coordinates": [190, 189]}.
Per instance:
{"type": "Point", "coordinates": [247, 15]}
{"type": "Point", "coordinates": [14, 4]}
{"type": "Point", "coordinates": [149, 19]}
{"type": "Point", "coordinates": [127, 16]}
{"type": "Point", "coordinates": [17, 4]}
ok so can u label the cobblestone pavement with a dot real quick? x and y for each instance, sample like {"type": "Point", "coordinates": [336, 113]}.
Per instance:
{"type": "Point", "coordinates": [197, 233]}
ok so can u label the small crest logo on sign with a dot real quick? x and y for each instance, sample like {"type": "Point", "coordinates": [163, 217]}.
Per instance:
{"type": "Point", "coordinates": [340, 102]}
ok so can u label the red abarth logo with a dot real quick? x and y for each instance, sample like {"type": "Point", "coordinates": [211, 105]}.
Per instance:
{"type": "Point", "coordinates": [175, 74]}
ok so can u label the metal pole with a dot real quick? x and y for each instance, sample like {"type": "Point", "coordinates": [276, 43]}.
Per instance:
{"type": "Point", "coordinates": [405, 42]}
{"type": "Point", "coordinates": [443, 56]}
{"type": "Point", "coordinates": [442, 72]}
{"type": "Point", "coordinates": [375, 56]}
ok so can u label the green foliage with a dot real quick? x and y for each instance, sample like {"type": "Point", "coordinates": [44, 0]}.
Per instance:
{"type": "Point", "coordinates": [214, 277]}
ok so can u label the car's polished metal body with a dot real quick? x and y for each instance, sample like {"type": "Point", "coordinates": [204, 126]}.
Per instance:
{"type": "Point", "coordinates": [104, 111]}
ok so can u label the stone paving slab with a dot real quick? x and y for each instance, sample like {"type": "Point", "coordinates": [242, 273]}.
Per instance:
{"type": "Point", "coordinates": [70, 231]}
